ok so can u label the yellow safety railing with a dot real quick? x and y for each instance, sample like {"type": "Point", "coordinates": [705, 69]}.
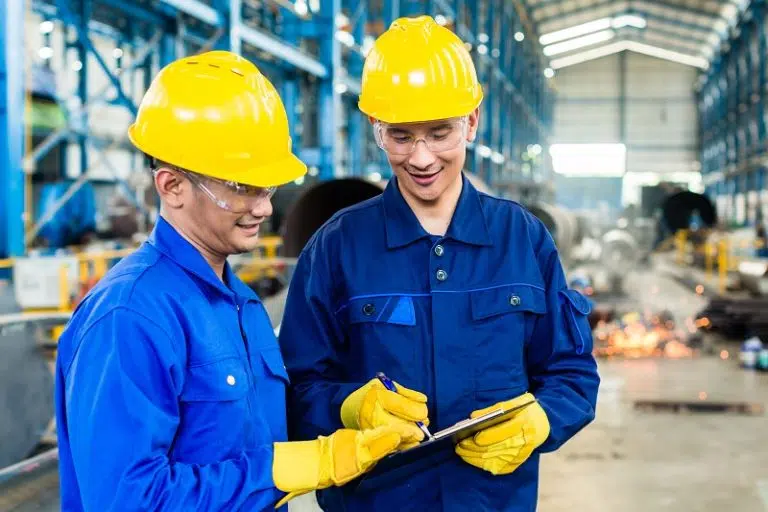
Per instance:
{"type": "Point", "coordinates": [723, 254]}
{"type": "Point", "coordinates": [93, 266]}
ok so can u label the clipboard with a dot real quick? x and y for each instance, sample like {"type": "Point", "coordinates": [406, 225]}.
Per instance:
{"type": "Point", "coordinates": [428, 453]}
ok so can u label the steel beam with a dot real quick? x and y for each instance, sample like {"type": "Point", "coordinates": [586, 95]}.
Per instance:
{"type": "Point", "coordinates": [621, 8]}
{"type": "Point", "coordinates": [254, 37]}
{"type": "Point", "coordinates": [11, 128]}
{"type": "Point", "coordinates": [329, 100]}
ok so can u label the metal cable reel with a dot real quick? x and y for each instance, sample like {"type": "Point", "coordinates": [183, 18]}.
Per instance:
{"type": "Point", "coordinates": [26, 382]}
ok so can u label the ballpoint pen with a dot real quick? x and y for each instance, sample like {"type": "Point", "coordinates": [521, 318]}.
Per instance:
{"type": "Point", "coordinates": [387, 382]}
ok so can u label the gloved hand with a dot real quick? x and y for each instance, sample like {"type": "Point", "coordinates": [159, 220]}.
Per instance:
{"type": "Point", "coordinates": [502, 448]}
{"type": "Point", "coordinates": [300, 467]}
{"type": "Point", "coordinates": [373, 405]}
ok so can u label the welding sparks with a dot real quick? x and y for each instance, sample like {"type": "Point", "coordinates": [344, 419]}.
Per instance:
{"type": "Point", "coordinates": [724, 355]}
{"type": "Point", "coordinates": [699, 289]}
{"type": "Point", "coordinates": [702, 395]}
{"type": "Point", "coordinates": [649, 335]}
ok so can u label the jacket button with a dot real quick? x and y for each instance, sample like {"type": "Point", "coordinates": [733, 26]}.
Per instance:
{"type": "Point", "coordinates": [515, 300]}
{"type": "Point", "coordinates": [441, 275]}
{"type": "Point", "coordinates": [439, 250]}
{"type": "Point", "coordinates": [368, 309]}
{"type": "Point", "coordinates": [231, 380]}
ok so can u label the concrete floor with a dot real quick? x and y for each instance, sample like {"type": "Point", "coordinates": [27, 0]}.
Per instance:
{"type": "Point", "coordinates": [630, 460]}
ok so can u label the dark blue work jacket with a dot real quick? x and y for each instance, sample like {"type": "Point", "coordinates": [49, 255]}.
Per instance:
{"type": "Point", "coordinates": [170, 388]}
{"type": "Point", "coordinates": [471, 318]}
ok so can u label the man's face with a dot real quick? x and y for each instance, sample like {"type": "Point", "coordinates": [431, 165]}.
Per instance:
{"type": "Point", "coordinates": [221, 217]}
{"type": "Point", "coordinates": [428, 157]}
{"type": "Point", "coordinates": [235, 231]}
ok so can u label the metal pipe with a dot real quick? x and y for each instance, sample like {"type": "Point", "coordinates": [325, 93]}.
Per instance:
{"type": "Point", "coordinates": [29, 465]}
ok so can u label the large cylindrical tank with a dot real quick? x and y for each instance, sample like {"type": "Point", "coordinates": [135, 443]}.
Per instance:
{"type": "Point", "coordinates": [561, 224]}
{"type": "Point", "coordinates": [319, 203]}
{"type": "Point", "coordinates": [26, 379]}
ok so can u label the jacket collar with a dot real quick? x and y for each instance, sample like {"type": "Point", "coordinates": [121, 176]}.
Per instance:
{"type": "Point", "coordinates": [468, 224]}
{"type": "Point", "coordinates": [166, 239]}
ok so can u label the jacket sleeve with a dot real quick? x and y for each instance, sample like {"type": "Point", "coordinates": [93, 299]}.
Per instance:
{"type": "Point", "coordinates": [310, 337]}
{"type": "Point", "coordinates": [121, 413]}
{"type": "Point", "coordinates": [561, 368]}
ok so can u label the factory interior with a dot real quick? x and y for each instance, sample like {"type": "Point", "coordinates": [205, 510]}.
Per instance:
{"type": "Point", "coordinates": [635, 130]}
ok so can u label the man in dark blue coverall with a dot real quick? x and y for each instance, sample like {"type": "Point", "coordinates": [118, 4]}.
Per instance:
{"type": "Point", "coordinates": [170, 386]}
{"type": "Point", "coordinates": [457, 296]}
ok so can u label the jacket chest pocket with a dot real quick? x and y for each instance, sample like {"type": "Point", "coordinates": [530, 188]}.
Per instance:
{"type": "Point", "coordinates": [383, 334]}
{"type": "Point", "coordinates": [502, 322]}
{"type": "Point", "coordinates": [215, 410]}
{"type": "Point", "coordinates": [271, 382]}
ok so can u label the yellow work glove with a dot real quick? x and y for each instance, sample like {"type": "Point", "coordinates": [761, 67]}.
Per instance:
{"type": "Point", "coordinates": [502, 448]}
{"type": "Point", "coordinates": [300, 467]}
{"type": "Point", "coordinates": [373, 405]}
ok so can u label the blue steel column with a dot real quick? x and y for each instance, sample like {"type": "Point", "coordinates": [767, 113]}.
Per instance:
{"type": "Point", "coordinates": [357, 121]}
{"type": "Point", "coordinates": [760, 28]}
{"type": "Point", "coordinates": [330, 56]}
{"type": "Point", "coordinates": [84, 14]}
{"type": "Point", "coordinates": [391, 11]}
{"type": "Point", "coordinates": [11, 127]}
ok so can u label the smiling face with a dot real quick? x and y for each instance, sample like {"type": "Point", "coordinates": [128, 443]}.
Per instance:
{"type": "Point", "coordinates": [427, 157]}
{"type": "Point", "coordinates": [219, 219]}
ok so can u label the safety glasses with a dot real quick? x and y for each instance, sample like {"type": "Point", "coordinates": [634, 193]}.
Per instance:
{"type": "Point", "coordinates": [398, 139]}
{"type": "Point", "coordinates": [229, 195]}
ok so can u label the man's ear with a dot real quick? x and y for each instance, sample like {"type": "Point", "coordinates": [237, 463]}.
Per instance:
{"type": "Point", "coordinates": [170, 186]}
{"type": "Point", "coordinates": [473, 123]}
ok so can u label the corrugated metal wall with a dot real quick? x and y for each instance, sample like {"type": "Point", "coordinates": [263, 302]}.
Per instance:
{"type": "Point", "coordinates": [646, 103]}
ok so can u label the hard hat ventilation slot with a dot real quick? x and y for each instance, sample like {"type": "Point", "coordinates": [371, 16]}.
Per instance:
{"type": "Point", "coordinates": [192, 62]}
{"type": "Point", "coordinates": [236, 72]}
{"type": "Point", "coordinates": [214, 66]}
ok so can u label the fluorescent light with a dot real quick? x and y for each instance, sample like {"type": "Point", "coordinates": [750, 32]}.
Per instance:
{"type": "Point", "coordinates": [589, 159]}
{"type": "Point", "coordinates": [624, 20]}
{"type": "Point", "coordinates": [620, 46]}
{"type": "Point", "coordinates": [519, 36]}
{"type": "Point", "coordinates": [46, 27]}
{"type": "Point", "coordinates": [579, 42]}
{"type": "Point", "coordinates": [575, 31]}
{"type": "Point", "coordinates": [661, 53]}
{"type": "Point", "coordinates": [341, 20]}
{"type": "Point", "coordinates": [45, 53]}
{"type": "Point", "coordinates": [549, 72]}
{"type": "Point", "coordinates": [301, 7]}
{"type": "Point", "coordinates": [629, 20]}
{"type": "Point", "coordinates": [345, 38]}
{"type": "Point", "coordinates": [441, 20]}
{"type": "Point", "coordinates": [588, 55]}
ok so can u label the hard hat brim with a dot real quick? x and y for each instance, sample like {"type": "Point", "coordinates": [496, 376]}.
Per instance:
{"type": "Point", "coordinates": [273, 174]}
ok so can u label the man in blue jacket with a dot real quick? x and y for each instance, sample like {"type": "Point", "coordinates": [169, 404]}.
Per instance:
{"type": "Point", "coordinates": [457, 296]}
{"type": "Point", "coordinates": [170, 386]}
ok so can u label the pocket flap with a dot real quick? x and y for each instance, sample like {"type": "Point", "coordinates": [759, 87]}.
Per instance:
{"type": "Point", "coordinates": [273, 360]}
{"type": "Point", "coordinates": [390, 309]}
{"type": "Point", "coordinates": [577, 301]}
{"type": "Point", "coordinates": [507, 299]}
{"type": "Point", "coordinates": [221, 380]}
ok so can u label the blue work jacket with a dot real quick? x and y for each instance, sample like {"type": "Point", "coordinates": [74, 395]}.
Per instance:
{"type": "Point", "coordinates": [472, 318]}
{"type": "Point", "coordinates": [170, 388]}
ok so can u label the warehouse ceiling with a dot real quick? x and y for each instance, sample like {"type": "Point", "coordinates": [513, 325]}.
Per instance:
{"type": "Point", "coordinates": [686, 31]}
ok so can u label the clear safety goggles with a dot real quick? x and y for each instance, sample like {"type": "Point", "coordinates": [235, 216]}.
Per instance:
{"type": "Point", "coordinates": [230, 195]}
{"type": "Point", "coordinates": [398, 140]}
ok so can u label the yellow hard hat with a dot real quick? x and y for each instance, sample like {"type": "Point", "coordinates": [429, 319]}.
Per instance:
{"type": "Point", "coordinates": [418, 71]}
{"type": "Point", "coordinates": [216, 114]}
